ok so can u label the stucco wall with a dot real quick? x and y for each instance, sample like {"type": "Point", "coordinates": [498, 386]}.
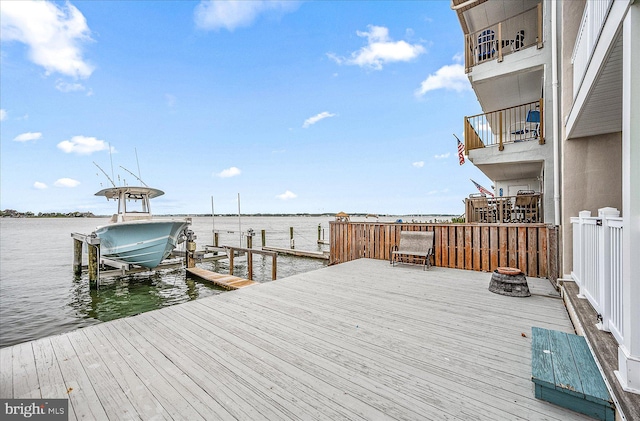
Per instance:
{"type": "Point", "coordinates": [592, 174]}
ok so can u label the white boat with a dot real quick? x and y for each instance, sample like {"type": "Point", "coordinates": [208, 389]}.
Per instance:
{"type": "Point", "coordinates": [133, 235]}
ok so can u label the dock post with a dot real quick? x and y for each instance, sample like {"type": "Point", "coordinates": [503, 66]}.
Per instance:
{"type": "Point", "coordinates": [274, 259]}
{"type": "Point", "coordinates": [77, 257]}
{"type": "Point", "coordinates": [94, 264]}
{"type": "Point", "coordinates": [292, 243]}
{"type": "Point", "coordinates": [249, 239]}
{"type": "Point", "coordinates": [215, 239]}
{"type": "Point", "coordinates": [231, 252]}
{"type": "Point", "coordinates": [263, 234]}
{"type": "Point", "coordinates": [250, 265]}
{"type": "Point", "coordinates": [189, 255]}
{"type": "Point", "coordinates": [319, 232]}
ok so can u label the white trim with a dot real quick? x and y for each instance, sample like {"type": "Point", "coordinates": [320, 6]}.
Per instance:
{"type": "Point", "coordinates": [603, 48]}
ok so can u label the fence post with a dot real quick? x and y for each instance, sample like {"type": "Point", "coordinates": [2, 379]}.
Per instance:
{"type": "Point", "coordinates": [581, 251]}
{"type": "Point", "coordinates": [604, 266]}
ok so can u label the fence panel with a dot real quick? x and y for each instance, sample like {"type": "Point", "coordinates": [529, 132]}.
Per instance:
{"type": "Point", "coordinates": [590, 268]}
{"type": "Point", "coordinates": [480, 247]}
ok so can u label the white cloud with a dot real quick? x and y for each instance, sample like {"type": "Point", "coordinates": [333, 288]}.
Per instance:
{"type": "Point", "coordinates": [418, 164]}
{"type": "Point", "coordinates": [229, 172]}
{"type": "Point", "coordinates": [380, 50]}
{"type": "Point", "coordinates": [442, 156]}
{"type": "Point", "coordinates": [287, 195]}
{"type": "Point", "coordinates": [313, 120]}
{"type": "Point", "coordinates": [40, 186]}
{"type": "Point", "coordinates": [66, 182]}
{"type": "Point", "coordinates": [3, 114]}
{"type": "Point", "coordinates": [63, 86]}
{"type": "Point", "coordinates": [83, 145]}
{"type": "Point", "coordinates": [213, 14]}
{"type": "Point", "coordinates": [450, 77]}
{"type": "Point", "coordinates": [25, 137]}
{"type": "Point", "coordinates": [53, 33]}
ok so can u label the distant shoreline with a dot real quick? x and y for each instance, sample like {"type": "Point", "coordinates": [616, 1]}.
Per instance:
{"type": "Point", "coordinates": [8, 213]}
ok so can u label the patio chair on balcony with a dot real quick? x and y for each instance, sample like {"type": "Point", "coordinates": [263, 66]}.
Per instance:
{"type": "Point", "coordinates": [528, 129]}
{"type": "Point", "coordinates": [504, 209]}
{"type": "Point", "coordinates": [526, 206]}
{"type": "Point", "coordinates": [518, 42]}
{"type": "Point", "coordinates": [481, 210]}
{"type": "Point", "coordinates": [486, 45]}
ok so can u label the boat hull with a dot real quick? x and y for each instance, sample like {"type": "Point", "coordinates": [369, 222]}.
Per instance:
{"type": "Point", "coordinates": [144, 243]}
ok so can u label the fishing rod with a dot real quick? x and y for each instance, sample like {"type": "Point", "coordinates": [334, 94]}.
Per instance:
{"type": "Point", "coordinates": [138, 178]}
{"type": "Point", "coordinates": [105, 174]}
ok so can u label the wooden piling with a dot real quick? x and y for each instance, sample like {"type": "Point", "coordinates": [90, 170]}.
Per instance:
{"type": "Point", "coordinates": [250, 265]}
{"type": "Point", "coordinates": [291, 241]}
{"type": "Point", "coordinates": [94, 263]}
{"type": "Point", "coordinates": [249, 242]}
{"type": "Point", "coordinates": [263, 234]}
{"type": "Point", "coordinates": [274, 259]}
{"type": "Point", "coordinates": [190, 260]}
{"type": "Point", "coordinates": [77, 256]}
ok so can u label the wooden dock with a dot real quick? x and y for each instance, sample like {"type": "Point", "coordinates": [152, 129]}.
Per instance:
{"type": "Point", "coordinates": [299, 253]}
{"type": "Point", "coordinates": [225, 281]}
{"type": "Point", "coordinates": [359, 341]}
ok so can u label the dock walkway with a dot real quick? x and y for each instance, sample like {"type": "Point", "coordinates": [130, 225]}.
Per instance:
{"type": "Point", "coordinates": [359, 341]}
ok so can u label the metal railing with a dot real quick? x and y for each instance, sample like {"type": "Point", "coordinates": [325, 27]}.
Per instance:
{"type": "Point", "coordinates": [593, 18]}
{"type": "Point", "coordinates": [522, 208]}
{"type": "Point", "coordinates": [597, 266]}
{"type": "Point", "coordinates": [507, 37]}
{"type": "Point", "coordinates": [509, 125]}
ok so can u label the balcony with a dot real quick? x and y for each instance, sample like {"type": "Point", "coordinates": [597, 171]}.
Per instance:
{"type": "Point", "coordinates": [515, 124]}
{"type": "Point", "coordinates": [591, 26]}
{"type": "Point", "coordinates": [525, 207]}
{"type": "Point", "coordinates": [509, 36]}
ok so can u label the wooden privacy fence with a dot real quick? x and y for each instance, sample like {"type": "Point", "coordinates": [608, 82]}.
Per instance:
{"type": "Point", "coordinates": [533, 248]}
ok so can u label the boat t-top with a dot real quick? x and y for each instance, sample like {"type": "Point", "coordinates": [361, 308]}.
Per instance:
{"type": "Point", "coordinates": [133, 235]}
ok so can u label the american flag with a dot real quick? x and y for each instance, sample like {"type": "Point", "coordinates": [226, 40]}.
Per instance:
{"type": "Point", "coordinates": [482, 189]}
{"type": "Point", "coordinates": [460, 151]}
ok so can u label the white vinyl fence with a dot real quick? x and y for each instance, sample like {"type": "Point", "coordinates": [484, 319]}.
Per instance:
{"type": "Point", "coordinates": [597, 265]}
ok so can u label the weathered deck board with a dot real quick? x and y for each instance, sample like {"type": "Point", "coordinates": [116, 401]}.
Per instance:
{"type": "Point", "coordinates": [362, 340]}
{"type": "Point", "coordinates": [25, 377]}
{"type": "Point", "coordinates": [221, 280]}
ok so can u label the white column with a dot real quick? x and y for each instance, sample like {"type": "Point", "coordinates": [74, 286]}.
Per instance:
{"type": "Point", "coordinates": [629, 351]}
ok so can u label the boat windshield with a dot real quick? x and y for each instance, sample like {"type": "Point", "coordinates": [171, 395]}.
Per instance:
{"type": "Point", "coordinates": [136, 203]}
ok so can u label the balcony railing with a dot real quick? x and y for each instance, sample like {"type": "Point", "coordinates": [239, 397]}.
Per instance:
{"type": "Point", "coordinates": [593, 18]}
{"type": "Point", "coordinates": [514, 34]}
{"type": "Point", "coordinates": [509, 125]}
{"type": "Point", "coordinates": [526, 207]}
{"type": "Point", "coordinates": [597, 266]}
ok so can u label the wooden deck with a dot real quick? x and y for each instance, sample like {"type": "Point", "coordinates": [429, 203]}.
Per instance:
{"type": "Point", "coordinates": [360, 340]}
{"type": "Point", "coordinates": [223, 281]}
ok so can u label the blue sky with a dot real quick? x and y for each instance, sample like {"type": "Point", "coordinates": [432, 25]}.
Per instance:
{"type": "Point", "coordinates": [297, 106]}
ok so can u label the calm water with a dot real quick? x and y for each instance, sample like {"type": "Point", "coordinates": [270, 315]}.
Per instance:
{"type": "Point", "coordinates": [40, 296]}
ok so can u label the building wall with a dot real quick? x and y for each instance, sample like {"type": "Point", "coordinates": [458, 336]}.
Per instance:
{"type": "Point", "coordinates": [591, 167]}
{"type": "Point", "coordinates": [592, 180]}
